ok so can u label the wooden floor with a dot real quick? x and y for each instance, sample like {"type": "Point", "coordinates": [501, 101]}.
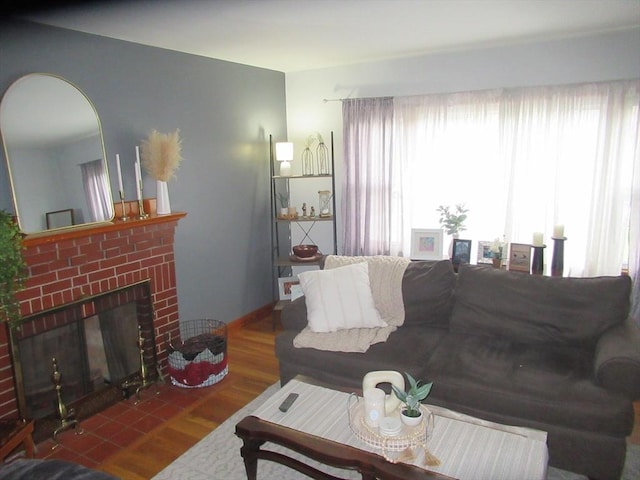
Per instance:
{"type": "Point", "coordinates": [252, 368]}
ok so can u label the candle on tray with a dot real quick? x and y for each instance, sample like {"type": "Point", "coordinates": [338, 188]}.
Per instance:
{"type": "Point", "coordinates": [537, 239]}
{"type": "Point", "coordinates": [120, 189]}
{"type": "Point", "coordinates": [558, 231]}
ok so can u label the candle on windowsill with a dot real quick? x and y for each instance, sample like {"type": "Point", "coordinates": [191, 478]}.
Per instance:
{"type": "Point", "coordinates": [537, 239]}
{"type": "Point", "coordinates": [558, 231]}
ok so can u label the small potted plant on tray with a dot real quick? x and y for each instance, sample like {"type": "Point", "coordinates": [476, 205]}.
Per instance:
{"type": "Point", "coordinates": [411, 414]}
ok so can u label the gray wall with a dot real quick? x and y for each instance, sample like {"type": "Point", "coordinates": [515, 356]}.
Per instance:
{"type": "Point", "coordinates": [225, 113]}
{"type": "Point", "coordinates": [593, 58]}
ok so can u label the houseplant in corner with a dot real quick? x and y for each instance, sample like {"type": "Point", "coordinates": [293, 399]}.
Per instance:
{"type": "Point", "coordinates": [13, 268]}
{"type": "Point", "coordinates": [411, 414]}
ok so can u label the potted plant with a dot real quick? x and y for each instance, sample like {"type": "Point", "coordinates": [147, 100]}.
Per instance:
{"type": "Point", "coordinates": [453, 223]}
{"type": "Point", "coordinates": [284, 204]}
{"type": "Point", "coordinates": [13, 268]}
{"type": "Point", "coordinates": [497, 249]}
{"type": "Point", "coordinates": [411, 414]}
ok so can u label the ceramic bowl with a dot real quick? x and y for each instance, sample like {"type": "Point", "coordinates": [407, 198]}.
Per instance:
{"type": "Point", "coordinates": [305, 251]}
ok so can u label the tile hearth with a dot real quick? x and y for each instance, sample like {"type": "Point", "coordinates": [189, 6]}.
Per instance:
{"type": "Point", "coordinates": [117, 427]}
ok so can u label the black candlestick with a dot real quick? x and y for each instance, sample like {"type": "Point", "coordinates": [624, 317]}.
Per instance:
{"type": "Point", "coordinates": [537, 266]}
{"type": "Point", "coordinates": [557, 262]}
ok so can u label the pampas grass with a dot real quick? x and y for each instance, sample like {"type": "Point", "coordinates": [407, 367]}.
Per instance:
{"type": "Point", "coordinates": [161, 154]}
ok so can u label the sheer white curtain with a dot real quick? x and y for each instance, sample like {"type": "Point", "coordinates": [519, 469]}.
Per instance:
{"type": "Point", "coordinates": [96, 187]}
{"type": "Point", "coordinates": [372, 203]}
{"type": "Point", "coordinates": [570, 154]}
{"type": "Point", "coordinates": [450, 145]}
{"type": "Point", "coordinates": [634, 236]}
{"type": "Point", "coordinates": [522, 160]}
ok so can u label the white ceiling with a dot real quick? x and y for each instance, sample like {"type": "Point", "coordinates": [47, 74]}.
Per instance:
{"type": "Point", "coordinates": [294, 35]}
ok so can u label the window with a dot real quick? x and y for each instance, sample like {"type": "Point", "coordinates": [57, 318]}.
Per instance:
{"type": "Point", "coordinates": [522, 160]}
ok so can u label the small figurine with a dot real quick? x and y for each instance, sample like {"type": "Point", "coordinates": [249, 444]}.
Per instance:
{"type": "Point", "coordinates": [313, 212]}
{"type": "Point", "coordinates": [304, 209]}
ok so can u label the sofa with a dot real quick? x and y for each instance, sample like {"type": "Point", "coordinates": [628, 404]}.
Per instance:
{"type": "Point", "coordinates": [551, 353]}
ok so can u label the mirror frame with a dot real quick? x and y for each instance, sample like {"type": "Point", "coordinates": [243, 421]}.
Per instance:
{"type": "Point", "coordinates": [12, 183]}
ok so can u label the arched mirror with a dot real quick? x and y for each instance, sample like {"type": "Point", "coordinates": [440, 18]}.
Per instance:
{"type": "Point", "coordinates": [55, 155]}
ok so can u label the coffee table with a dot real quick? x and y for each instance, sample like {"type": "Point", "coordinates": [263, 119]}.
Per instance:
{"type": "Point", "coordinates": [317, 426]}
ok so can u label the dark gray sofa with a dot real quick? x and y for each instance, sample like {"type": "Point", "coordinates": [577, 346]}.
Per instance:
{"type": "Point", "coordinates": [556, 354]}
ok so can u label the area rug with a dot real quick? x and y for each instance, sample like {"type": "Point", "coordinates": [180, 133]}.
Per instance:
{"type": "Point", "coordinates": [217, 457]}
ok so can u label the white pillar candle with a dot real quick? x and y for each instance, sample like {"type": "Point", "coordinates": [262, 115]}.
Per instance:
{"type": "Point", "coordinates": [138, 174]}
{"type": "Point", "coordinates": [120, 189]}
{"type": "Point", "coordinates": [138, 181]}
{"type": "Point", "coordinates": [558, 231]}
{"type": "Point", "coordinates": [373, 406]}
{"type": "Point", "coordinates": [537, 239]}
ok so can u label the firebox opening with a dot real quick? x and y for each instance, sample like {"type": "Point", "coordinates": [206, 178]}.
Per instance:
{"type": "Point", "coordinates": [95, 346]}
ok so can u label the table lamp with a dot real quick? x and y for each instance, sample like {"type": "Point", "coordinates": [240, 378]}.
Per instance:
{"type": "Point", "coordinates": [284, 154]}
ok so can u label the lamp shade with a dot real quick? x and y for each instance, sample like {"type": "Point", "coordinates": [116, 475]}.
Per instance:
{"type": "Point", "coordinates": [284, 151]}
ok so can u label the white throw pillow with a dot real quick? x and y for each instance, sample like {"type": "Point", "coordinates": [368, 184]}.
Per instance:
{"type": "Point", "coordinates": [340, 298]}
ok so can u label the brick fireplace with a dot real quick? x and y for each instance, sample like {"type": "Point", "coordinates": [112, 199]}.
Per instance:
{"type": "Point", "coordinates": [69, 265]}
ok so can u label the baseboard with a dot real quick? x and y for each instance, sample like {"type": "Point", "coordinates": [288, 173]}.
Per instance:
{"type": "Point", "coordinates": [251, 317]}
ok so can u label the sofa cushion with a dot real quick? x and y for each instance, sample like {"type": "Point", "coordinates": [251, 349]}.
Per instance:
{"type": "Point", "coordinates": [340, 299]}
{"type": "Point", "coordinates": [538, 309]}
{"type": "Point", "coordinates": [427, 289]}
{"type": "Point", "coordinates": [551, 385]}
{"type": "Point", "coordinates": [406, 349]}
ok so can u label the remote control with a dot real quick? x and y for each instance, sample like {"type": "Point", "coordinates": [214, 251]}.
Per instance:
{"type": "Point", "coordinates": [284, 406]}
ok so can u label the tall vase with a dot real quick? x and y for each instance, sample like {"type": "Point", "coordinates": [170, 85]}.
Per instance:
{"type": "Point", "coordinates": [450, 252]}
{"type": "Point", "coordinates": [163, 206]}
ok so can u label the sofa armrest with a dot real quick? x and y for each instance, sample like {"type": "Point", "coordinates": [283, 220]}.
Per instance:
{"type": "Point", "coordinates": [294, 315]}
{"type": "Point", "coordinates": [617, 360]}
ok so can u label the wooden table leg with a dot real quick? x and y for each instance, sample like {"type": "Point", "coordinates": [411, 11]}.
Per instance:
{"type": "Point", "coordinates": [249, 451]}
{"type": "Point", "coordinates": [14, 433]}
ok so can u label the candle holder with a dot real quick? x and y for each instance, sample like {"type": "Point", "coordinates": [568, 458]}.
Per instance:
{"type": "Point", "coordinates": [124, 216]}
{"type": "Point", "coordinates": [537, 265]}
{"type": "Point", "coordinates": [557, 262]}
{"type": "Point", "coordinates": [141, 214]}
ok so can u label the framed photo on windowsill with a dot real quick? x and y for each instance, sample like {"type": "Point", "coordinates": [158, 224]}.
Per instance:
{"type": "Point", "coordinates": [520, 257]}
{"type": "Point", "coordinates": [485, 255]}
{"type": "Point", "coordinates": [461, 251]}
{"type": "Point", "coordinates": [426, 244]}
{"type": "Point", "coordinates": [284, 287]}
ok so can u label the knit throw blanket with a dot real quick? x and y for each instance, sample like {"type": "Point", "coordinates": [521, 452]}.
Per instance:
{"type": "Point", "coordinates": [385, 278]}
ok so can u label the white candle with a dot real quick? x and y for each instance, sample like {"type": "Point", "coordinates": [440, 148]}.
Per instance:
{"type": "Point", "coordinates": [537, 239]}
{"type": "Point", "coordinates": [138, 181]}
{"type": "Point", "coordinates": [558, 231]}
{"type": "Point", "coordinates": [120, 189]}
{"type": "Point", "coordinates": [138, 154]}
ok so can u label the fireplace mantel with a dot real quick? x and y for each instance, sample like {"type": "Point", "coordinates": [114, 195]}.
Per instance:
{"type": "Point", "coordinates": [35, 239]}
{"type": "Point", "coordinates": [69, 264]}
